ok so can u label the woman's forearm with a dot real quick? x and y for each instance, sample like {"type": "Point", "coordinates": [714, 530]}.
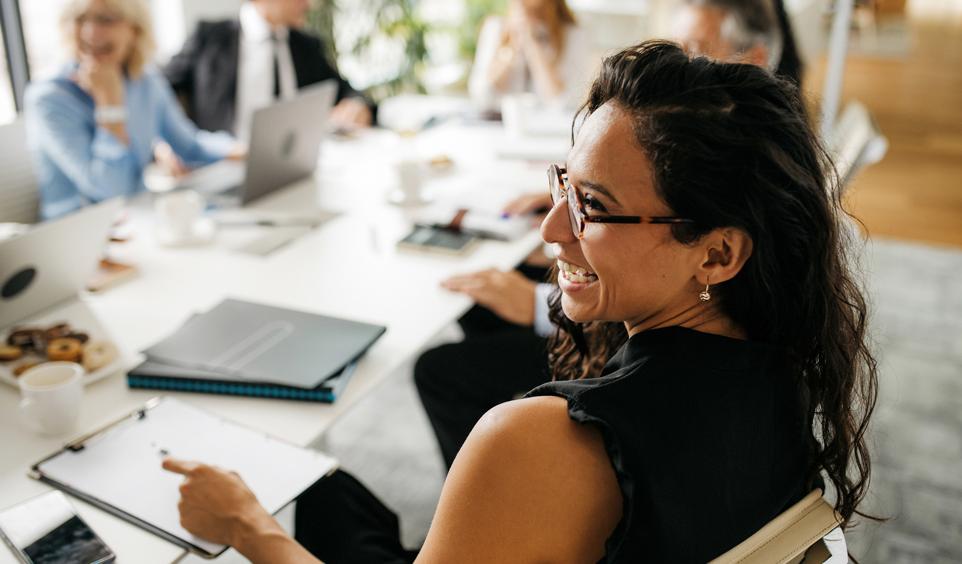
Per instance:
{"type": "Point", "coordinates": [499, 73]}
{"type": "Point", "coordinates": [274, 547]}
{"type": "Point", "coordinates": [543, 71]}
{"type": "Point", "coordinates": [267, 542]}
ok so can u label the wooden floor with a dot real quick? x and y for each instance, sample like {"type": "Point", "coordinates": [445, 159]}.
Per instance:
{"type": "Point", "coordinates": [915, 193]}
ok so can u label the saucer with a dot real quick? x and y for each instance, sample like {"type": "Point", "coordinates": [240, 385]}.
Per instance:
{"type": "Point", "coordinates": [399, 198]}
{"type": "Point", "coordinates": [202, 234]}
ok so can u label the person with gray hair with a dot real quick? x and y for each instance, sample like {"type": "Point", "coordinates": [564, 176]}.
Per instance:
{"type": "Point", "coordinates": [750, 31]}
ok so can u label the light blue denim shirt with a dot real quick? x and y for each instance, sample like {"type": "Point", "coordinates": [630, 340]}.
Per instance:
{"type": "Point", "coordinates": [543, 326]}
{"type": "Point", "coordinates": [79, 163]}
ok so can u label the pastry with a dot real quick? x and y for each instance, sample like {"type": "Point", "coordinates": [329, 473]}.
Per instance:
{"type": "Point", "coordinates": [70, 350]}
{"type": "Point", "coordinates": [10, 352]}
{"type": "Point", "coordinates": [97, 354]}
{"type": "Point", "coordinates": [20, 369]}
{"type": "Point", "coordinates": [38, 341]}
{"type": "Point", "coordinates": [440, 162]}
{"type": "Point", "coordinates": [57, 331]}
{"type": "Point", "coordinates": [22, 337]}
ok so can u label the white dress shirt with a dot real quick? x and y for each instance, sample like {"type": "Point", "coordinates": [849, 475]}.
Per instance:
{"type": "Point", "coordinates": [575, 64]}
{"type": "Point", "coordinates": [255, 69]}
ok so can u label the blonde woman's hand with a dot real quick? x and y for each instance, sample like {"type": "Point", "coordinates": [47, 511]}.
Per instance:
{"type": "Point", "coordinates": [103, 81]}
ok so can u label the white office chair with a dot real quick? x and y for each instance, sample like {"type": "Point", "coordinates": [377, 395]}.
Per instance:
{"type": "Point", "coordinates": [809, 532]}
{"type": "Point", "coordinates": [19, 191]}
{"type": "Point", "coordinates": [855, 143]}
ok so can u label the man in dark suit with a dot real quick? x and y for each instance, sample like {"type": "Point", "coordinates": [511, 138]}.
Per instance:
{"type": "Point", "coordinates": [227, 69]}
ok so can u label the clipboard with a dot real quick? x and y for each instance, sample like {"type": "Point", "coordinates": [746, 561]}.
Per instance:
{"type": "Point", "coordinates": [117, 467]}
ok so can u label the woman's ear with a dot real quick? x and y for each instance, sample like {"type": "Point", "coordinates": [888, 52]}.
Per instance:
{"type": "Point", "coordinates": [726, 250]}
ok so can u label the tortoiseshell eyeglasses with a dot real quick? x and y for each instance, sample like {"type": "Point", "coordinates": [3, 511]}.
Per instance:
{"type": "Point", "coordinates": [578, 216]}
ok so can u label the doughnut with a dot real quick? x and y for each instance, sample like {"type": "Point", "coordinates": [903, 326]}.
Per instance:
{"type": "Point", "coordinates": [97, 354]}
{"type": "Point", "coordinates": [10, 352]}
{"type": "Point", "coordinates": [66, 349]}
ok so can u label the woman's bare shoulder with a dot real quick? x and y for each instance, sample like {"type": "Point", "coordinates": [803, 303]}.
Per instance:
{"type": "Point", "coordinates": [529, 484]}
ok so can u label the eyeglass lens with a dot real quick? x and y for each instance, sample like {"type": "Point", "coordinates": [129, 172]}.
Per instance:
{"type": "Point", "coordinates": [558, 192]}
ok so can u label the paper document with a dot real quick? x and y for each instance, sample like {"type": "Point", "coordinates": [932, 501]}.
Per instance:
{"type": "Point", "coordinates": [121, 466]}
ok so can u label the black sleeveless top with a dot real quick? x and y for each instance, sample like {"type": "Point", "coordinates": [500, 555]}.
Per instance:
{"type": "Point", "coordinates": [706, 435]}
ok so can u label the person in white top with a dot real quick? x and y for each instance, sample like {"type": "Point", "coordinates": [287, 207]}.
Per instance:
{"type": "Point", "coordinates": [537, 48]}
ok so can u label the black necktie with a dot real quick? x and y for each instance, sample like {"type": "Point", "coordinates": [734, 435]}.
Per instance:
{"type": "Point", "coordinates": [277, 69]}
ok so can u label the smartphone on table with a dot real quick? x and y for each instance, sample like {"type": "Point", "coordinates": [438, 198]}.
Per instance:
{"type": "Point", "coordinates": [437, 239]}
{"type": "Point", "coordinates": [47, 530]}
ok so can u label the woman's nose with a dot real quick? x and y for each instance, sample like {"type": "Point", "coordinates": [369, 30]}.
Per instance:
{"type": "Point", "coordinates": [556, 227]}
{"type": "Point", "coordinates": [89, 31]}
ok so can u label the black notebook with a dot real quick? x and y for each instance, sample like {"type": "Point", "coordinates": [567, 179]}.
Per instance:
{"type": "Point", "coordinates": [152, 375]}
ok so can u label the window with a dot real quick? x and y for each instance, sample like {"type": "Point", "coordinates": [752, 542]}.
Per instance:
{"type": "Point", "coordinates": [41, 33]}
{"type": "Point", "coordinates": [8, 109]}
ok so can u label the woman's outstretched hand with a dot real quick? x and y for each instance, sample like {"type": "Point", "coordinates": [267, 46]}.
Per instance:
{"type": "Point", "coordinates": [216, 504]}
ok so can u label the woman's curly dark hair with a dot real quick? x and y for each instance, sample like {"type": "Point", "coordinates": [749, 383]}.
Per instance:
{"type": "Point", "coordinates": [730, 146]}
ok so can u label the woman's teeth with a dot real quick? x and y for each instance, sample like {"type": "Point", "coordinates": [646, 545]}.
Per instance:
{"type": "Point", "coordinates": [576, 274]}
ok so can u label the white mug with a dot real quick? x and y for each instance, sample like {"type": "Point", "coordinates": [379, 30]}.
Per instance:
{"type": "Point", "coordinates": [409, 179]}
{"type": "Point", "coordinates": [52, 393]}
{"type": "Point", "coordinates": [178, 213]}
{"type": "Point", "coordinates": [514, 108]}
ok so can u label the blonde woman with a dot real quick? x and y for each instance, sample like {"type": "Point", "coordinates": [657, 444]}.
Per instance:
{"type": "Point", "coordinates": [538, 48]}
{"type": "Point", "coordinates": [92, 128]}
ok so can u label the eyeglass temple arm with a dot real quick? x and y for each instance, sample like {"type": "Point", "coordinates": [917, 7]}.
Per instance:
{"type": "Point", "coordinates": [636, 219]}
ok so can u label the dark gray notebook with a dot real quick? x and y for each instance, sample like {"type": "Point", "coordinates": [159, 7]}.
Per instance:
{"type": "Point", "coordinates": [266, 344]}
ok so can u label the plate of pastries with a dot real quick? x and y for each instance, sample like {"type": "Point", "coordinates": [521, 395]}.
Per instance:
{"type": "Point", "coordinates": [30, 344]}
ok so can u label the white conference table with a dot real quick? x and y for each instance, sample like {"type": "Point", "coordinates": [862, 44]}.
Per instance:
{"type": "Point", "coordinates": [347, 267]}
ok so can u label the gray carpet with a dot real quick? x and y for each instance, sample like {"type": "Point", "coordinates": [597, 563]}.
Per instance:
{"type": "Point", "coordinates": [916, 293]}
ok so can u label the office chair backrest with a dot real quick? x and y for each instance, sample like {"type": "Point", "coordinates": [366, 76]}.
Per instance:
{"type": "Point", "coordinates": [793, 537]}
{"type": "Point", "coordinates": [19, 191]}
{"type": "Point", "coordinates": [855, 143]}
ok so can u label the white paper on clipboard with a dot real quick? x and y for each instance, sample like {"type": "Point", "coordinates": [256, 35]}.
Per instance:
{"type": "Point", "coordinates": [120, 467]}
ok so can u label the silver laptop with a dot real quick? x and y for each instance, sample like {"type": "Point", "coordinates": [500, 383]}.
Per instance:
{"type": "Point", "coordinates": [52, 261]}
{"type": "Point", "coordinates": [284, 147]}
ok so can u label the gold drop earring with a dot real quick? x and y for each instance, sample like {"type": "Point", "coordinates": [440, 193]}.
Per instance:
{"type": "Point", "coordinates": [705, 295]}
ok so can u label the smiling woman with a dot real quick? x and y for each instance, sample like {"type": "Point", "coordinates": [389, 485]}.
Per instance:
{"type": "Point", "coordinates": [695, 212]}
{"type": "Point", "coordinates": [760, 261]}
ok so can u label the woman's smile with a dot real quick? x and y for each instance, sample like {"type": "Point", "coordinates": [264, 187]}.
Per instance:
{"type": "Point", "coordinates": [573, 277]}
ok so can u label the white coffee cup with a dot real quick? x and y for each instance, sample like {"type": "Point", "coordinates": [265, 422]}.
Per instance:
{"type": "Point", "coordinates": [178, 213]}
{"type": "Point", "coordinates": [409, 188]}
{"type": "Point", "coordinates": [514, 108]}
{"type": "Point", "coordinates": [409, 178]}
{"type": "Point", "coordinates": [52, 393]}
